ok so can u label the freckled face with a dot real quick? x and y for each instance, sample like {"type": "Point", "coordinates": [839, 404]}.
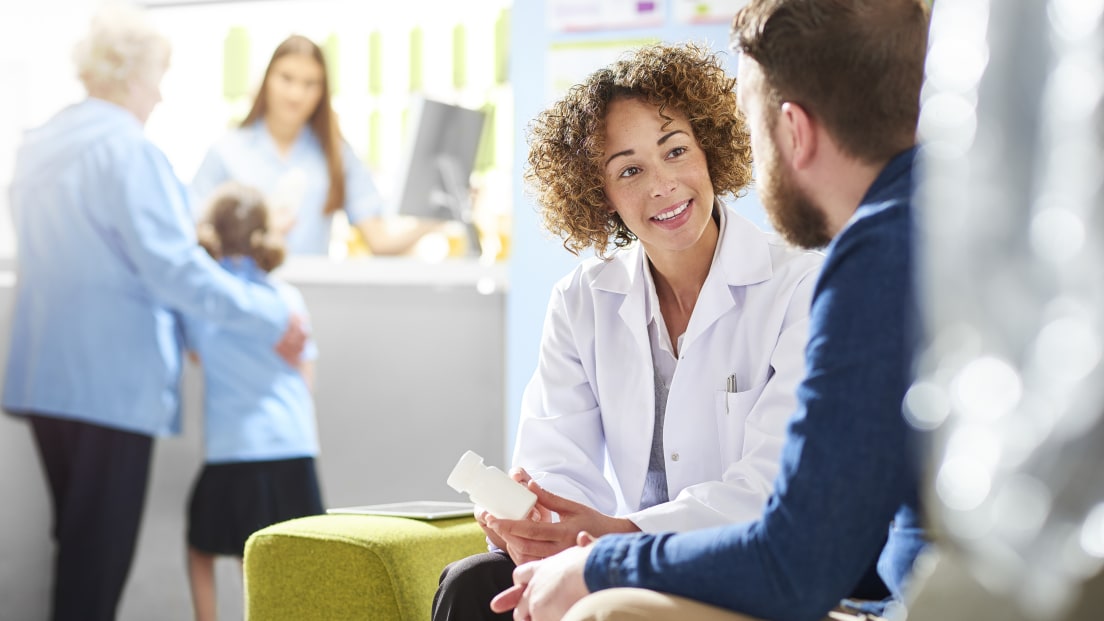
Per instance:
{"type": "Point", "coordinates": [656, 178]}
{"type": "Point", "coordinates": [293, 89]}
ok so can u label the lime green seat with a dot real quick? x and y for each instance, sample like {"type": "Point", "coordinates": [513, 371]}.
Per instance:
{"type": "Point", "coordinates": [352, 566]}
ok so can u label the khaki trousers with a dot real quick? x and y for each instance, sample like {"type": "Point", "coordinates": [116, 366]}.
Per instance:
{"type": "Point", "coordinates": [645, 605]}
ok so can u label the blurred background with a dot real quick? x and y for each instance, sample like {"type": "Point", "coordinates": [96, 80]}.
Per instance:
{"type": "Point", "coordinates": [422, 356]}
{"type": "Point", "coordinates": [1010, 386]}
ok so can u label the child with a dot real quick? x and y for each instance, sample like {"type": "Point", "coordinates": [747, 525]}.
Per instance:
{"type": "Point", "coordinates": [259, 424]}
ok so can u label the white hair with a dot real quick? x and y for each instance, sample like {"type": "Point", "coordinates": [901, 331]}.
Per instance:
{"type": "Point", "coordinates": [121, 46]}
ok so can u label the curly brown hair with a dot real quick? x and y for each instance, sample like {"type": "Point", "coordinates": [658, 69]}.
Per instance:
{"type": "Point", "coordinates": [236, 224]}
{"type": "Point", "coordinates": [566, 140]}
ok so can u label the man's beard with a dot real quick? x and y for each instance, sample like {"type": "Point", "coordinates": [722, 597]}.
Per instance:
{"type": "Point", "coordinates": [789, 209]}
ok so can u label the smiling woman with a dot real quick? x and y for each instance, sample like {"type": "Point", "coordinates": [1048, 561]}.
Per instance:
{"type": "Point", "coordinates": [640, 152]}
{"type": "Point", "coordinates": [293, 88]}
{"type": "Point", "coordinates": [687, 81]}
{"type": "Point", "coordinates": [657, 181]}
{"type": "Point", "coordinates": [290, 147]}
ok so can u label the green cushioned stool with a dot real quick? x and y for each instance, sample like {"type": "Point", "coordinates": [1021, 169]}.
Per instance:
{"type": "Point", "coordinates": [352, 566]}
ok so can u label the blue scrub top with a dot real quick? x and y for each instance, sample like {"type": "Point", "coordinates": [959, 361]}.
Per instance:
{"type": "Point", "coordinates": [256, 406]}
{"type": "Point", "coordinates": [107, 258]}
{"type": "Point", "coordinates": [248, 155]}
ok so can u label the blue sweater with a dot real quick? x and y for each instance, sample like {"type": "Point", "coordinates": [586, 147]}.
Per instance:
{"type": "Point", "coordinates": [847, 495]}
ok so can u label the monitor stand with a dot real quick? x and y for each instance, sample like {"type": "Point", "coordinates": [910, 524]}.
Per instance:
{"type": "Point", "coordinates": [458, 202]}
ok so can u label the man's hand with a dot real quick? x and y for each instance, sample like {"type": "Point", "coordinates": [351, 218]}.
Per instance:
{"type": "Point", "coordinates": [530, 540]}
{"type": "Point", "coordinates": [545, 590]}
{"type": "Point", "coordinates": [291, 344]}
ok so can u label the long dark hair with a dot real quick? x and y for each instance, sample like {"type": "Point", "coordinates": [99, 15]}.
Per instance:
{"type": "Point", "coordinates": [323, 120]}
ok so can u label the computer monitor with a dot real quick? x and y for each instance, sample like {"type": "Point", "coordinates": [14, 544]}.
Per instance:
{"type": "Point", "coordinates": [436, 173]}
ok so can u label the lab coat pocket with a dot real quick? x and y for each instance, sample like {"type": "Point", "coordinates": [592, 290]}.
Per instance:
{"type": "Point", "coordinates": [733, 409]}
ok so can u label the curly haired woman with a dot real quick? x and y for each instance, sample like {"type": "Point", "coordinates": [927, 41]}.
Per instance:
{"type": "Point", "coordinates": [669, 361]}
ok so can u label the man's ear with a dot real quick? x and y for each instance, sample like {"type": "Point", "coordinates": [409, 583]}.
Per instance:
{"type": "Point", "coordinates": [802, 134]}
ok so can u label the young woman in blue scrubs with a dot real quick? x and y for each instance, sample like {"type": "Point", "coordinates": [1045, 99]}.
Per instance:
{"type": "Point", "coordinates": [291, 148]}
{"type": "Point", "coordinates": [107, 260]}
{"type": "Point", "coordinates": [259, 426]}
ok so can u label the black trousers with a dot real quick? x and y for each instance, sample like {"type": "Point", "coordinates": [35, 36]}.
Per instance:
{"type": "Point", "coordinates": [98, 479]}
{"type": "Point", "coordinates": [467, 587]}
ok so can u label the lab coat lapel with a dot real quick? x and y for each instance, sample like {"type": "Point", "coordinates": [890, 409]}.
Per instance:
{"type": "Point", "coordinates": [743, 259]}
{"type": "Point", "coordinates": [623, 276]}
{"type": "Point", "coordinates": [629, 428]}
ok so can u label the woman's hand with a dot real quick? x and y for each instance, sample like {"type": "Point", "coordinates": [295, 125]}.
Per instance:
{"type": "Point", "coordinates": [294, 339]}
{"type": "Point", "coordinates": [530, 540]}
{"type": "Point", "coordinates": [481, 514]}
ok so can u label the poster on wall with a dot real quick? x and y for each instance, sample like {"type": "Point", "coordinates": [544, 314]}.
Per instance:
{"type": "Point", "coordinates": [706, 11]}
{"type": "Point", "coordinates": [583, 15]}
{"type": "Point", "coordinates": [567, 64]}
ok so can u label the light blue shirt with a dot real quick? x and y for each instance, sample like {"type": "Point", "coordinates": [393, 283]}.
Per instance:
{"type": "Point", "coordinates": [249, 156]}
{"type": "Point", "coordinates": [256, 407]}
{"type": "Point", "coordinates": [107, 255]}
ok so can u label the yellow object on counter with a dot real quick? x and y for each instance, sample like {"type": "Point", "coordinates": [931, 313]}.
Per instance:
{"type": "Point", "coordinates": [355, 244]}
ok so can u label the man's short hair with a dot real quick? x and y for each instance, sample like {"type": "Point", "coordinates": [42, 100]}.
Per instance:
{"type": "Point", "coordinates": [856, 66]}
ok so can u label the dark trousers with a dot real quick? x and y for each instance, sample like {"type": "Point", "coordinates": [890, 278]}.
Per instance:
{"type": "Point", "coordinates": [467, 587]}
{"type": "Point", "coordinates": [98, 479]}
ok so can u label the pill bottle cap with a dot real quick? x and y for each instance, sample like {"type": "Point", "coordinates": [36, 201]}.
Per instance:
{"type": "Point", "coordinates": [466, 472]}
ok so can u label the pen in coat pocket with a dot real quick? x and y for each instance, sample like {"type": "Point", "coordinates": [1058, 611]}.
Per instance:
{"type": "Point", "coordinates": [730, 387]}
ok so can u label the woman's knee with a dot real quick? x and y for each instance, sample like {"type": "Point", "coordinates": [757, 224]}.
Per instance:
{"type": "Point", "coordinates": [485, 569]}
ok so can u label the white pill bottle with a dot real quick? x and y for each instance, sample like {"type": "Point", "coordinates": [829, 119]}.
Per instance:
{"type": "Point", "coordinates": [491, 488]}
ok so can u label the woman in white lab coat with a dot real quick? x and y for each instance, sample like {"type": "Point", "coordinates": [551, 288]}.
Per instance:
{"type": "Point", "coordinates": [667, 367]}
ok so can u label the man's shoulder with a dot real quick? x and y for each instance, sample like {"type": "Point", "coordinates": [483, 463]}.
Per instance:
{"type": "Point", "coordinates": [873, 253]}
{"type": "Point", "coordinates": [883, 226]}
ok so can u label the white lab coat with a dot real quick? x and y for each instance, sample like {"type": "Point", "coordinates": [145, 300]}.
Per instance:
{"type": "Point", "coordinates": [588, 411]}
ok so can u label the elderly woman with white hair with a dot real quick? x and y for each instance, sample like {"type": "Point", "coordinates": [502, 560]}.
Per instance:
{"type": "Point", "coordinates": [107, 260]}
